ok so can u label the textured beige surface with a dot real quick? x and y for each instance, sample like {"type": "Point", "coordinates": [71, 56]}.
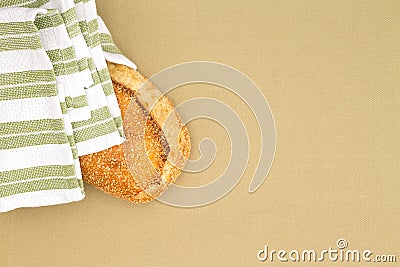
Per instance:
{"type": "Point", "coordinates": [330, 71]}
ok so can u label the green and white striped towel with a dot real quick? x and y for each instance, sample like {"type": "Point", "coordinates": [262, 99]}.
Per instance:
{"type": "Point", "coordinates": [40, 138]}
{"type": "Point", "coordinates": [87, 16]}
{"type": "Point", "coordinates": [102, 130]}
{"type": "Point", "coordinates": [56, 42]}
{"type": "Point", "coordinates": [60, 50]}
{"type": "Point", "coordinates": [36, 162]}
{"type": "Point", "coordinates": [68, 12]}
{"type": "Point", "coordinates": [75, 95]}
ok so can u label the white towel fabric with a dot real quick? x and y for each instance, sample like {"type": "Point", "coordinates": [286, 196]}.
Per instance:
{"type": "Point", "coordinates": [75, 96]}
{"type": "Point", "coordinates": [60, 50]}
{"type": "Point", "coordinates": [68, 12]}
{"type": "Point", "coordinates": [56, 42]}
{"type": "Point", "coordinates": [36, 162]}
{"type": "Point", "coordinates": [104, 128]}
{"type": "Point", "coordinates": [87, 16]}
{"type": "Point", "coordinates": [56, 98]}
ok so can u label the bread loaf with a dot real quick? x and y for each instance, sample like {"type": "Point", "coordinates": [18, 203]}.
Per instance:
{"type": "Point", "coordinates": [156, 148]}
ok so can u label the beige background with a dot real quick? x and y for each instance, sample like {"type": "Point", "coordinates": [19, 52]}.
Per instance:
{"type": "Point", "coordinates": [330, 71]}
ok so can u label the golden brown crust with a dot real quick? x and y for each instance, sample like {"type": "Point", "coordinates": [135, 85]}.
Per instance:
{"type": "Point", "coordinates": [111, 171]}
{"type": "Point", "coordinates": [125, 76]}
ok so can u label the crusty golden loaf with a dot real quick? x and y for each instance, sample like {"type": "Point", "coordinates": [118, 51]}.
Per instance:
{"type": "Point", "coordinates": [165, 142]}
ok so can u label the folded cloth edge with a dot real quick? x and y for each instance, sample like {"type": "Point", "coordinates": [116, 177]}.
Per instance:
{"type": "Point", "coordinates": [116, 57]}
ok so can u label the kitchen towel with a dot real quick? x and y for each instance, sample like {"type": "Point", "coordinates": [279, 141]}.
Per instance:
{"type": "Point", "coordinates": [87, 17]}
{"type": "Point", "coordinates": [68, 13]}
{"type": "Point", "coordinates": [59, 48]}
{"type": "Point", "coordinates": [56, 99]}
{"type": "Point", "coordinates": [37, 167]}
{"type": "Point", "coordinates": [58, 45]}
{"type": "Point", "coordinates": [75, 95]}
{"type": "Point", "coordinates": [102, 130]}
